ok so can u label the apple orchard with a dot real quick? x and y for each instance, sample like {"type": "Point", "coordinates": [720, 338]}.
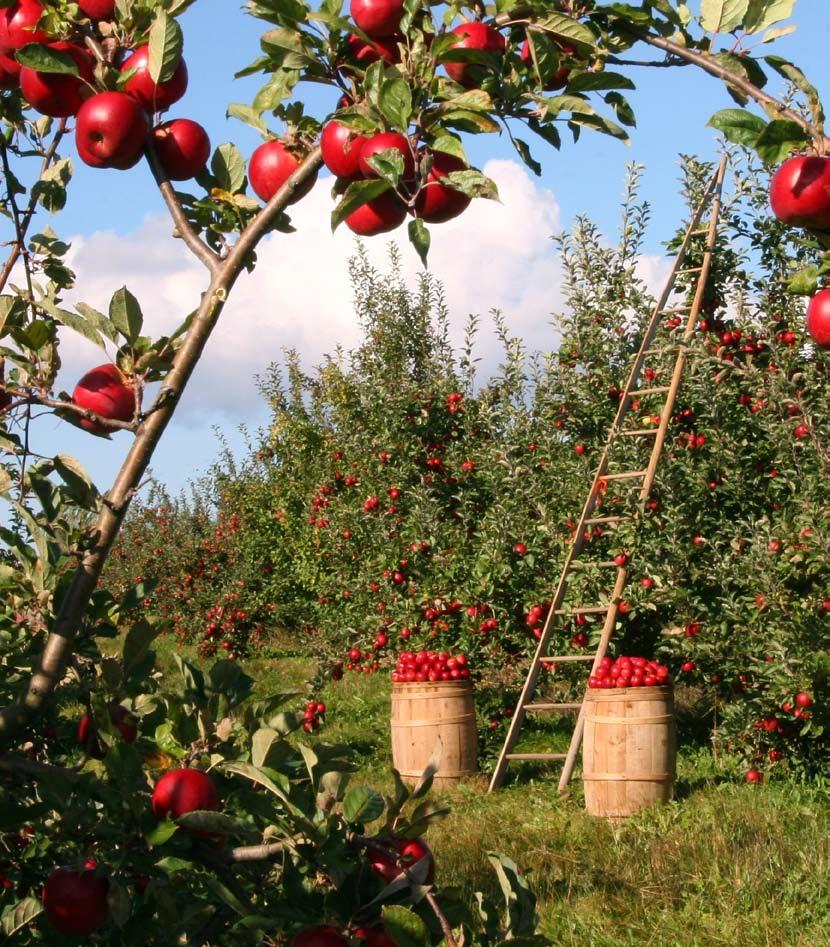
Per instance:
{"type": "Point", "coordinates": [400, 516]}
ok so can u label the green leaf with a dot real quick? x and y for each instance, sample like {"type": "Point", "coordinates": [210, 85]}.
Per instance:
{"type": "Point", "coordinates": [419, 238]}
{"type": "Point", "coordinates": [166, 42]}
{"type": "Point", "coordinates": [395, 103]}
{"type": "Point", "coordinates": [357, 194]}
{"type": "Point", "coordinates": [599, 81]}
{"type": "Point", "coordinates": [804, 282]}
{"type": "Point", "coordinates": [98, 320]}
{"type": "Point", "coordinates": [363, 804]}
{"type": "Point", "coordinates": [261, 743]}
{"type": "Point", "coordinates": [520, 902]}
{"type": "Point", "coordinates": [256, 775]}
{"type": "Point", "coordinates": [137, 643]}
{"type": "Point", "coordinates": [405, 927]}
{"type": "Point", "coordinates": [78, 483]}
{"type": "Point", "coordinates": [228, 167]}
{"type": "Point", "coordinates": [203, 820]}
{"type": "Point", "coordinates": [779, 139]}
{"type": "Point", "coordinates": [171, 865]}
{"type": "Point", "coordinates": [722, 16]}
{"type": "Point", "coordinates": [80, 324]}
{"type": "Point", "coordinates": [162, 833]}
{"type": "Point", "coordinates": [738, 126]}
{"type": "Point", "coordinates": [45, 59]}
{"type": "Point", "coordinates": [247, 114]}
{"type": "Point", "coordinates": [388, 165]}
{"type": "Point", "coordinates": [449, 144]}
{"type": "Point", "coordinates": [472, 183]}
{"type": "Point", "coordinates": [125, 314]}
{"type": "Point", "coordinates": [17, 916]}
{"type": "Point", "coordinates": [763, 13]}
{"type": "Point", "coordinates": [570, 30]}
{"type": "Point", "coordinates": [793, 74]}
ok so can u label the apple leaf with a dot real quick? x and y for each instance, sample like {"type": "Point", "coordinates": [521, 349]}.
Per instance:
{"type": "Point", "coordinates": [599, 81]}
{"type": "Point", "coordinates": [72, 320]}
{"type": "Point", "coordinates": [98, 320]}
{"type": "Point", "coordinates": [763, 13]}
{"type": "Point", "coordinates": [162, 833]}
{"type": "Point", "coordinates": [738, 126]}
{"type": "Point", "coordinates": [519, 900]}
{"type": "Point", "coordinates": [203, 820]}
{"type": "Point", "coordinates": [570, 30]}
{"type": "Point", "coordinates": [722, 16]}
{"type": "Point", "coordinates": [388, 164]}
{"type": "Point", "coordinates": [125, 314]}
{"type": "Point", "coordinates": [166, 42]}
{"type": "Point", "coordinates": [450, 145]}
{"type": "Point", "coordinates": [228, 167]}
{"type": "Point", "coordinates": [779, 139]}
{"type": "Point", "coordinates": [248, 115]}
{"type": "Point", "coordinates": [395, 103]}
{"type": "Point", "coordinates": [357, 194]}
{"type": "Point", "coordinates": [363, 804]}
{"type": "Point", "coordinates": [804, 282]}
{"type": "Point", "coordinates": [17, 916]}
{"type": "Point", "coordinates": [419, 238]}
{"type": "Point", "coordinates": [472, 183]}
{"type": "Point", "coordinates": [793, 74]}
{"type": "Point", "coordinates": [78, 483]}
{"type": "Point", "coordinates": [137, 643]}
{"type": "Point", "coordinates": [44, 59]}
{"type": "Point", "coordinates": [405, 927]}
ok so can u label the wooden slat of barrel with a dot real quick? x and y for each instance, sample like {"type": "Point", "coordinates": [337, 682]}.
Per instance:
{"type": "Point", "coordinates": [423, 712]}
{"type": "Point", "coordinates": [629, 750]}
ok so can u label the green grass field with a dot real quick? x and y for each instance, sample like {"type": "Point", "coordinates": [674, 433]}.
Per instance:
{"type": "Point", "coordinates": [725, 864]}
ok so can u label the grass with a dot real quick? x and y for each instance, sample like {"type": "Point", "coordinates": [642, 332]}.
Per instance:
{"type": "Point", "coordinates": [725, 864]}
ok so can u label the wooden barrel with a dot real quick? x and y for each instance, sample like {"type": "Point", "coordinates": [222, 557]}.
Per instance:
{"type": "Point", "coordinates": [629, 749]}
{"type": "Point", "coordinates": [421, 713]}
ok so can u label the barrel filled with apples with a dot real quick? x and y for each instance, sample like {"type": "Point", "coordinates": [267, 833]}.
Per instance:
{"type": "Point", "coordinates": [629, 745]}
{"type": "Point", "coordinates": [432, 705]}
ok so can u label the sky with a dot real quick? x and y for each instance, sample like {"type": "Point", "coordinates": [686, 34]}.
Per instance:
{"type": "Point", "coordinates": [493, 256]}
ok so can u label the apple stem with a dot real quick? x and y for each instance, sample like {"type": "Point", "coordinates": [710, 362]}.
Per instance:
{"type": "Point", "coordinates": [445, 927]}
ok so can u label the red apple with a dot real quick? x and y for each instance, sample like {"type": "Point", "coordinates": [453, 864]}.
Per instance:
{"type": "Point", "coordinates": [183, 148]}
{"type": "Point", "coordinates": [435, 203]}
{"type": "Point", "coordinates": [385, 141]}
{"type": "Point", "coordinates": [473, 36]}
{"type": "Point", "coordinates": [341, 150]}
{"type": "Point", "coordinates": [105, 391]}
{"type": "Point", "coordinates": [753, 776]}
{"type": "Point", "coordinates": [271, 165]}
{"type": "Point", "coordinates": [183, 790]}
{"type": "Point", "coordinates": [803, 700]}
{"type": "Point", "coordinates": [375, 936]}
{"type": "Point", "coordinates": [154, 98]}
{"type": "Point", "coordinates": [98, 9]}
{"type": "Point", "coordinates": [9, 72]}
{"type": "Point", "coordinates": [17, 25]}
{"type": "Point", "coordinates": [559, 78]}
{"type": "Point", "coordinates": [75, 901]}
{"type": "Point", "coordinates": [799, 192]}
{"type": "Point", "coordinates": [321, 936]}
{"type": "Point", "coordinates": [59, 95]}
{"type": "Point", "coordinates": [381, 47]}
{"type": "Point", "coordinates": [110, 131]}
{"type": "Point", "coordinates": [409, 851]}
{"type": "Point", "coordinates": [124, 723]}
{"type": "Point", "coordinates": [818, 318]}
{"type": "Point", "coordinates": [377, 17]}
{"type": "Point", "coordinates": [380, 215]}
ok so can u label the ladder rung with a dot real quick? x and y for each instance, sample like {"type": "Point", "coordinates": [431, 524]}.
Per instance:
{"type": "Point", "coordinates": [604, 519]}
{"type": "Point", "coordinates": [676, 309]}
{"type": "Point", "coordinates": [536, 756]}
{"type": "Point", "coordinates": [543, 707]}
{"type": "Point", "coordinates": [699, 231]}
{"type": "Point", "coordinates": [592, 610]}
{"type": "Point", "coordinates": [650, 391]}
{"type": "Point", "coordinates": [637, 432]}
{"type": "Point", "coordinates": [690, 269]}
{"type": "Point", "coordinates": [608, 564]}
{"type": "Point", "coordinates": [561, 658]}
{"type": "Point", "coordinates": [628, 475]}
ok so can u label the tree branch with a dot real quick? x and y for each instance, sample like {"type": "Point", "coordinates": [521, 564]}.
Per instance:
{"type": "Point", "coordinates": [257, 853]}
{"type": "Point", "coordinates": [34, 768]}
{"type": "Point", "coordinates": [48, 156]}
{"type": "Point", "coordinates": [59, 643]}
{"type": "Point", "coordinates": [183, 227]}
{"type": "Point", "coordinates": [708, 63]}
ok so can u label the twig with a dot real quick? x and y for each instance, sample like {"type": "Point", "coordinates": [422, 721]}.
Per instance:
{"type": "Point", "coordinates": [257, 853]}
{"type": "Point", "coordinates": [11, 764]}
{"type": "Point", "coordinates": [445, 927]}
{"type": "Point", "coordinates": [183, 227]}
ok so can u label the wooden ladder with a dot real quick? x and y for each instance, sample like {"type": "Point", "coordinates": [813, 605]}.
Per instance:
{"type": "Point", "coordinates": [696, 228]}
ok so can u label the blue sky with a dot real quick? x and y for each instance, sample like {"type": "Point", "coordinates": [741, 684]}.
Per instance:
{"type": "Point", "coordinates": [120, 236]}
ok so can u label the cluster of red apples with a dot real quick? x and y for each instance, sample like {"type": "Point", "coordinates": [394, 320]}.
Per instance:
{"type": "Point", "coordinates": [111, 127]}
{"type": "Point", "coordinates": [629, 672]}
{"type": "Point", "coordinates": [430, 667]}
{"type": "Point", "coordinates": [800, 196]}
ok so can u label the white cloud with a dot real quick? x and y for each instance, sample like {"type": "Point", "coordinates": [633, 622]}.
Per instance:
{"type": "Point", "coordinates": [493, 256]}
